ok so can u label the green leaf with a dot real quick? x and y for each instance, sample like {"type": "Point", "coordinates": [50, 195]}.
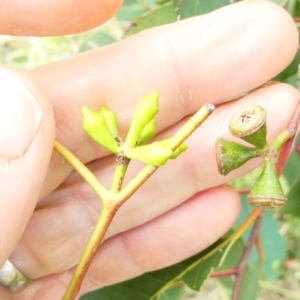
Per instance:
{"type": "Point", "coordinates": [272, 242]}
{"type": "Point", "coordinates": [293, 7]}
{"type": "Point", "coordinates": [231, 261]}
{"type": "Point", "coordinates": [292, 207]}
{"type": "Point", "coordinates": [156, 17]}
{"type": "Point", "coordinates": [280, 2]}
{"type": "Point", "coordinates": [97, 40]}
{"type": "Point", "coordinates": [130, 10]}
{"type": "Point", "coordinates": [195, 278]}
{"type": "Point", "coordinates": [273, 246]}
{"type": "Point", "coordinates": [291, 172]}
{"type": "Point", "coordinates": [150, 285]}
{"type": "Point", "coordinates": [290, 70]}
{"type": "Point", "coordinates": [191, 8]}
{"type": "Point", "coordinates": [172, 293]}
{"type": "Point", "coordinates": [160, 2]}
{"type": "Point", "coordinates": [249, 284]}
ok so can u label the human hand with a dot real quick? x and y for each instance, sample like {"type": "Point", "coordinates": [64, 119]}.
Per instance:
{"type": "Point", "coordinates": [183, 208]}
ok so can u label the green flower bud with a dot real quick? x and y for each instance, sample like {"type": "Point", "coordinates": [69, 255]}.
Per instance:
{"type": "Point", "coordinates": [177, 151]}
{"type": "Point", "coordinates": [231, 155]}
{"type": "Point", "coordinates": [95, 126]}
{"type": "Point", "coordinates": [110, 119]}
{"type": "Point", "coordinates": [148, 132]}
{"type": "Point", "coordinates": [249, 124]}
{"type": "Point", "coordinates": [146, 109]}
{"type": "Point", "coordinates": [155, 154]}
{"type": "Point", "coordinates": [267, 191]}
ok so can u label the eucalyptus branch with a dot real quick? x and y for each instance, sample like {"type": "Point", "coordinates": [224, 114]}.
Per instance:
{"type": "Point", "coordinates": [118, 177]}
{"type": "Point", "coordinates": [289, 132]}
{"type": "Point", "coordinates": [259, 249]}
{"type": "Point", "coordinates": [245, 256]}
{"type": "Point", "coordinates": [224, 273]}
{"type": "Point", "coordinates": [82, 170]}
{"type": "Point", "coordinates": [95, 240]}
{"type": "Point", "coordinates": [112, 199]}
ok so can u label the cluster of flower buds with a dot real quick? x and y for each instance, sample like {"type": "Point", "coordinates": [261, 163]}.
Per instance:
{"type": "Point", "coordinates": [102, 127]}
{"type": "Point", "coordinates": [249, 124]}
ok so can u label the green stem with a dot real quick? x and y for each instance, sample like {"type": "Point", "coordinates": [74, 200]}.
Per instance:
{"type": "Point", "coordinates": [291, 130]}
{"type": "Point", "coordinates": [282, 138]}
{"type": "Point", "coordinates": [134, 184]}
{"type": "Point", "coordinates": [190, 126]}
{"type": "Point", "coordinates": [118, 177]}
{"type": "Point", "coordinates": [86, 174]}
{"type": "Point", "coordinates": [95, 240]}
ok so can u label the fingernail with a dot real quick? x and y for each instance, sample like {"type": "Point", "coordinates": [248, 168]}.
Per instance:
{"type": "Point", "coordinates": [20, 117]}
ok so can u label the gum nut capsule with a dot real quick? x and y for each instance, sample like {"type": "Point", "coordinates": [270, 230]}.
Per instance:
{"type": "Point", "coordinates": [267, 191]}
{"type": "Point", "coordinates": [231, 155]}
{"type": "Point", "coordinates": [249, 124]}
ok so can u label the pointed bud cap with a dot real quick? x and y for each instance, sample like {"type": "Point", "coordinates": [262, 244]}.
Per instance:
{"type": "Point", "coordinates": [249, 124]}
{"type": "Point", "coordinates": [110, 119]}
{"type": "Point", "coordinates": [146, 109]}
{"type": "Point", "coordinates": [148, 132]}
{"type": "Point", "coordinates": [267, 191]}
{"type": "Point", "coordinates": [155, 154]}
{"type": "Point", "coordinates": [231, 155]}
{"type": "Point", "coordinates": [177, 151]}
{"type": "Point", "coordinates": [95, 126]}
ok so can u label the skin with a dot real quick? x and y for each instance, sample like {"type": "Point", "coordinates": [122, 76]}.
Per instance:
{"type": "Point", "coordinates": [205, 59]}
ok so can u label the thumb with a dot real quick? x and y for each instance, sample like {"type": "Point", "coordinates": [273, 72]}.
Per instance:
{"type": "Point", "coordinates": [26, 139]}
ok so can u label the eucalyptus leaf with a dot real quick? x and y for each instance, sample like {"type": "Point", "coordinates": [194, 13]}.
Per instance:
{"type": "Point", "coordinates": [172, 293]}
{"type": "Point", "coordinates": [291, 172]}
{"type": "Point", "coordinates": [159, 16]}
{"type": "Point", "coordinates": [272, 242]}
{"type": "Point", "coordinates": [290, 70]}
{"type": "Point", "coordinates": [195, 278]}
{"type": "Point", "coordinates": [150, 285]}
{"type": "Point", "coordinates": [231, 261]}
{"type": "Point", "coordinates": [280, 2]}
{"type": "Point", "coordinates": [292, 207]}
{"type": "Point", "coordinates": [97, 40]}
{"type": "Point", "coordinates": [249, 286]}
{"type": "Point", "coordinates": [130, 10]}
{"type": "Point", "coordinates": [293, 7]}
{"type": "Point", "coordinates": [191, 8]}
{"type": "Point", "coordinates": [273, 246]}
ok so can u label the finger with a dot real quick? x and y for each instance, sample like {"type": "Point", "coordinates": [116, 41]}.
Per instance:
{"type": "Point", "coordinates": [60, 227]}
{"type": "Point", "coordinates": [205, 59]}
{"type": "Point", "coordinates": [27, 134]}
{"type": "Point", "coordinates": [168, 239]}
{"type": "Point", "coordinates": [196, 224]}
{"type": "Point", "coordinates": [46, 18]}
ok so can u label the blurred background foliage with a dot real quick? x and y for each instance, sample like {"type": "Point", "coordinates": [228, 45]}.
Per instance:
{"type": "Point", "coordinates": [279, 276]}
